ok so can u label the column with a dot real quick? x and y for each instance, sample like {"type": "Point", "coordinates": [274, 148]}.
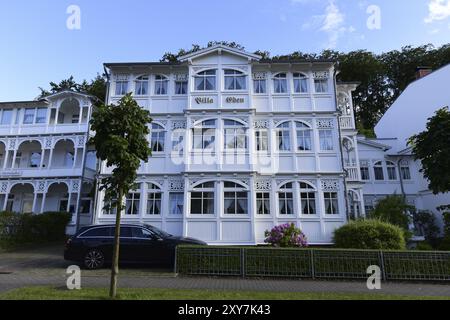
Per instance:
{"type": "Point", "coordinates": [42, 159]}
{"type": "Point", "coordinates": [14, 159]}
{"type": "Point", "coordinates": [7, 151]}
{"type": "Point", "coordinates": [34, 202]}
{"type": "Point", "coordinates": [252, 207]}
{"type": "Point", "coordinates": [50, 158]}
{"type": "Point", "coordinates": [44, 196]}
{"type": "Point", "coordinates": [75, 155]}
{"type": "Point", "coordinates": [6, 201]}
{"type": "Point", "coordinates": [186, 207]}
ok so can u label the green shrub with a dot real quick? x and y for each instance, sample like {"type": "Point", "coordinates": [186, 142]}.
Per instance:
{"type": "Point", "coordinates": [424, 246]}
{"type": "Point", "coordinates": [426, 222]}
{"type": "Point", "coordinates": [370, 234]}
{"type": "Point", "coordinates": [22, 228]}
{"type": "Point", "coordinates": [392, 210]}
{"type": "Point", "coordinates": [445, 243]}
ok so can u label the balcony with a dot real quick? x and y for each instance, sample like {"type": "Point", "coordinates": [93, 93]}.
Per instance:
{"type": "Point", "coordinates": [347, 123]}
{"type": "Point", "coordinates": [353, 174]}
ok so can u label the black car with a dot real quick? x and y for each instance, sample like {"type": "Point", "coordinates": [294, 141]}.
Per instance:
{"type": "Point", "coordinates": [93, 245]}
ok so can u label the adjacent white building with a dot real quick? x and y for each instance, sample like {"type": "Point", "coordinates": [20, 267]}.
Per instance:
{"type": "Point", "coordinates": [240, 145]}
{"type": "Point", "coordinates": [45, 164]}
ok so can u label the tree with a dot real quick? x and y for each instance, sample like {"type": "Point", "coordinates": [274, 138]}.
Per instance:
{"type": "Point", "coordinates": [96, 87]}
{"type": "Point", "coordinates": [120, 140]}
{"type": "Point", "coordinates": [393, 209]}
{"type": "Point", "coordinates": [432, 148]}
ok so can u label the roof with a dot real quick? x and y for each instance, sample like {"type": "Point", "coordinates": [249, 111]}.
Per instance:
{"type": "Point", "coordinates": [374, 143]}
{"type": "Point", "coordinates": [31, 102]}
{"type": "Point", "coordinates": [220, 47]}
{"type": "Point", "coordinates": [140, 64]}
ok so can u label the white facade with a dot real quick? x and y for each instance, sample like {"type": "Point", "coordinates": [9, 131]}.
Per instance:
{"type": "Point", "coordinates": [397, 171]}
{"type": "Point", "coordinates": [240, 145]}
{"type": "Point", "coordinates": [45, 164]}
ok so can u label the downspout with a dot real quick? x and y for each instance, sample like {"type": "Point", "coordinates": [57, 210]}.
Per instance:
{"type": "Point", "coordinates": [340, 142]}
{"type": "Point", "coordinates": [401, 178]}
{"type": "Point", "coordinates": [98, 165]}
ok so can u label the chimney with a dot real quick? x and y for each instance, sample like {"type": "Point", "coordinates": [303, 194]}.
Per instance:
{"type": "Point", "coordinates": [422, 72]}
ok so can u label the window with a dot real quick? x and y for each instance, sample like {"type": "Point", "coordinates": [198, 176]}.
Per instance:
{"type": "Point", "coordinates": [378, 171]}
{"type": "Point", "coordinates": [176, 202]}
{"type": "Point", "coordinates": [142, 86]}
{"type": "Point", "coordinates": [284, 137]}
{"type": "Point", "coordinates": [154, 196]}
{"type": "Point", "coordinates": [404, 170]}
{"type": "Point", "coordinates": [35, 160]}
{"type": "Point", "coordinates": [262, 140]}
{"type": "Point", "coordinates": [205, 81]}
{"type": "Point", "coordinates": [326, 140]}
{"type": "Point", "coordinates": [262, 203]}
{"type": "Point", "coordinates": [121, 87]}
{"type": "Point", "coordinates": [110, 207]}
{"type": "Point", "coordinates": [140, 233]}
{"type": "Point", "coordinates": [259, 86]}
{"type": "Point", "coordinates": [158, 137]}
{"type": "Point", "coordinates": [28, 117]}
{"type": "Point", "coordinates": [18, 160]}
{"type": "Point", "coordinates": [235, 198]}
{"type": "Point", "coordinates": [41, 115]}
{"type": "Point", "coordinates": [181, 87]}
{"type": "Point", "coordinates": [321, 85]}
{"type": "Point", "coordinates": [235, 80]}
{"type": "Point", "coordinates": [6, 116]}
{"type": "Point", "coordinates": [202, 199]}
{"type": "Point", "coordinates": [85, 204]}
{"type": "Point", "coordinates": [307, 199]}
{"type": "Point", "coordinates": [177, 141]}
{"type": "Point", "coordinates": [235, 135]}
{"type": "Point", "coordinates": [286, 199]}
{"type": "Point", "coordinates": [75, 118]}
{"type": "Point", "coordinates": [392, 173]}
{"type": "Point", "coordinates": [331, 203]}
{"type": "Point", "coordinates": [133, 200]}
{"type": "Point", "coordinates": [161, 85]}
{"type": "Point", "coordinates": [365, 172]}
{"type": "Point", "coordinates": [204, 135]}
{"type": "Point", "coordinates": [98, 232]}
{"type": "Point", "coordinates": [280, 83]}
{"type": "Point", "coordinates": [300, 83]}
{"type": "Point", "coordinates": [303, 137]}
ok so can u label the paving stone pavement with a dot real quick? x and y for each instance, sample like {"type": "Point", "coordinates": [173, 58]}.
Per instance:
{"type": "Point", "coordinates": [45, 267]}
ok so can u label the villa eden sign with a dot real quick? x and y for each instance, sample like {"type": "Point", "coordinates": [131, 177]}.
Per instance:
{"type": "Point", "coordinates": [234, 100]}
{"type": "Point", "coordinates": [204, 100]}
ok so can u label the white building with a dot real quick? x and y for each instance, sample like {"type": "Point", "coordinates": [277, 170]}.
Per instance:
{"type": "Point", "coordinates": [241, 145]}
{"type": "Point", "coordinates": [45, 164]}
{"type": "Point", "coordinates": [387, 165]}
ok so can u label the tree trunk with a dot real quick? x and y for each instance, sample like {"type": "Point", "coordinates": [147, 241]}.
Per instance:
{"type": "Point", "coordinates": [115, 260]}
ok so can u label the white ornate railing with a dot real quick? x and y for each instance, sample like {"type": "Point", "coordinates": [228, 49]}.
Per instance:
{"type": "Point", "coordinates": [353, 174]}
{"type": "Point", "coordinates": [347, 122]}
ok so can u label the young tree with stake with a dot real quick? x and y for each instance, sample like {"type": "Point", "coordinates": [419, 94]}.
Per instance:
{"type": "Point", "coordinates": [121, 140]}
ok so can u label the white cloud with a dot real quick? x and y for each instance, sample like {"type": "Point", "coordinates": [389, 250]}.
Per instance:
{"type": "Point", "coordinates": [438, 10]}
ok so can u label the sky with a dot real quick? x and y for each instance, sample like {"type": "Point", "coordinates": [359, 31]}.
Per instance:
{"type": "Point", "coordinates": [49, 40]}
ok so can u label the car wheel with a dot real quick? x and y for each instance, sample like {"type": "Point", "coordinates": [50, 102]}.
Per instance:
{"type": "Point", "coordinates": [94, 259]}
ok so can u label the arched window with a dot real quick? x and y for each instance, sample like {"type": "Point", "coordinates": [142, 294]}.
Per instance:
{"type": "Point", "coordinates": [154, 196]}
{"type": "Point", "coordinates": [205, 81]}
{"type": "Point", "coordinates": [235, 80]}
{"type": "Point", "coordinates": [283, 133]}
{"type": "Point", "coordinates": [378, 171]}
{"type": "Point", "coordinates": [391, 170]}
{"type": "Point", "coordinates": [280, 83]}
{"type": "Point", "coordinates": [405, 171]}
{"type": "Point", "coordinates": [161, 85]}
{"type": "Point", "coordinates": [141, 86]}
{"type": "Point", "coordinates": [235, 135]}
{"type": "Point", "coordinates": [204, 135]}
{"type": "Point", "coordinates": [133, 200]}
{"type": "Point", "coordinates": [202, 199]}
{"type": "Point", "coordinates": [235, 198]}
{"type": "Point", "coordinates": [158, 137]}
{"type": "Point", "coordinates": [286, 199]}
{"type": "Point", "coordinates": [300, 83]}
{"type": "Point", "coordinates": [304, 134]}
{"type": "Point", "coordinates": [307, 199]}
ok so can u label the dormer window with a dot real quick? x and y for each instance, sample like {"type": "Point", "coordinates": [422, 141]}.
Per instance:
{"type": "Point", "coordinates": [161, 85]}
{"type": "Point", "coordinates": [205, 81]}
{"type": "Point", "coordinates": [300, 83]}
{"type": "Point", "coordinates": [142, 86]}
{"type": "Point", "coordinates": [235, 80]}
{"type": "Point", "coordinates": [280, 83]}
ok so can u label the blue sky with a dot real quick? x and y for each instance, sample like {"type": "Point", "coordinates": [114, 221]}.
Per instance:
{"type": "Point", "coordinates": [37, 47]}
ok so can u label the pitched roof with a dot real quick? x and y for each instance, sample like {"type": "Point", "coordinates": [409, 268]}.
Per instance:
{"type": "Point", "coordinates": [220, 47]}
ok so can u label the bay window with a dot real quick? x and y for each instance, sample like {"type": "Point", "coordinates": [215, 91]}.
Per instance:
{"type": "Point", "coordinates": [235, 80]}
{"type": "Point", "coordinates": [300, 83]}
{"type": "Point", "coordinates": [202, 199]}
{"type": "Point", "coordinates": [280, 83]}
{"type": "Point", "coordinates": [205, 81]}
{"type": "Point", "coordinates": [235, 198]}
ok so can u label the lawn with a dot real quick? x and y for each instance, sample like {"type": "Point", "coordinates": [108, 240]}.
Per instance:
{"type": "Point", "coordinates": [49, 293]}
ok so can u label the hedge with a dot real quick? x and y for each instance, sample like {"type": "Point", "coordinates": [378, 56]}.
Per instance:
{"type": "Point", "coordinates": [311, 263]}
{"type": "Point", "coordinates": [23, 228]}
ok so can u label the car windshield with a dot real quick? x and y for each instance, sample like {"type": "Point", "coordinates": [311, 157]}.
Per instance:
{"type": "Point", "coordinates": [158, 232]}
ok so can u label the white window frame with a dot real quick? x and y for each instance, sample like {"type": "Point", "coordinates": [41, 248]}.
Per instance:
{"type": "Point", "coordinates": [161, 85]}
{"type": "Point", "coordinates": [133, 198]}
{"type": "Point", "coordinates": [157, 138]}
{"type": "Point", "coordinates": [286, 199]}
{"type": "Point", "coordinates": [236, 190]}
{"type": "Point", "coordinates": [326, 140]}
{"type": "Point", "coordinates": [305, 191]}
{"type": "Point", "coordinates": [154, 196]}
{"type": "Point", "coordinates": [391, 169]}
{"type": "Point", "coordinates": [234, 75]}
{"type": "Point", "coordinates": [279, 80]}
{"type": "Point", "coordinates": [263, 203]}
{"type": "Point", "coordinates": [204, 189]}
{"type": "Point", "coordinates": [142, 85]}
{"type": "Point", "coordinates": [204, 75]}
{"type": "Point", "coordinates": [303, 128]}
{"type": "Point", "coordinates": [299, 79]}
{"type": "Point", "coordinates": [176, 203]}
{"type": "Point", "coordinates": [236, 131]}
{"type": "Point", "coordinates": [332, 198]}
{"type": "Point", "coordinates": [207, 135]}
{"type": "Point", "coordinates": [282, 131]}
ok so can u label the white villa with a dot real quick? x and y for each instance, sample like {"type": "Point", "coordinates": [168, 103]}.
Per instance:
{"type": "Point", "coordinates": [240, 144]}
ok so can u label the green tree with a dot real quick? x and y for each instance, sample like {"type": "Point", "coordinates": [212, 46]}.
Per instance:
{"type": "Point", "coordinates": [432, 148]}
{"type": "Point", "coordinates": [393, 209]}
{"type": "Point", "coordinates": [120, 140]}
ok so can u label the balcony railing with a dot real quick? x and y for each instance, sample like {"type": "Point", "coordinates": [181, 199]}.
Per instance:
{"type": "Point", "coordinates": [347, 122]}
{"type": "Point", "coordinates": [353, 174]}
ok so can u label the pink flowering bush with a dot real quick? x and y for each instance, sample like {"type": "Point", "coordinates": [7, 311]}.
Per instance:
{"type": "Point", "coordinates": [286, 235]}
